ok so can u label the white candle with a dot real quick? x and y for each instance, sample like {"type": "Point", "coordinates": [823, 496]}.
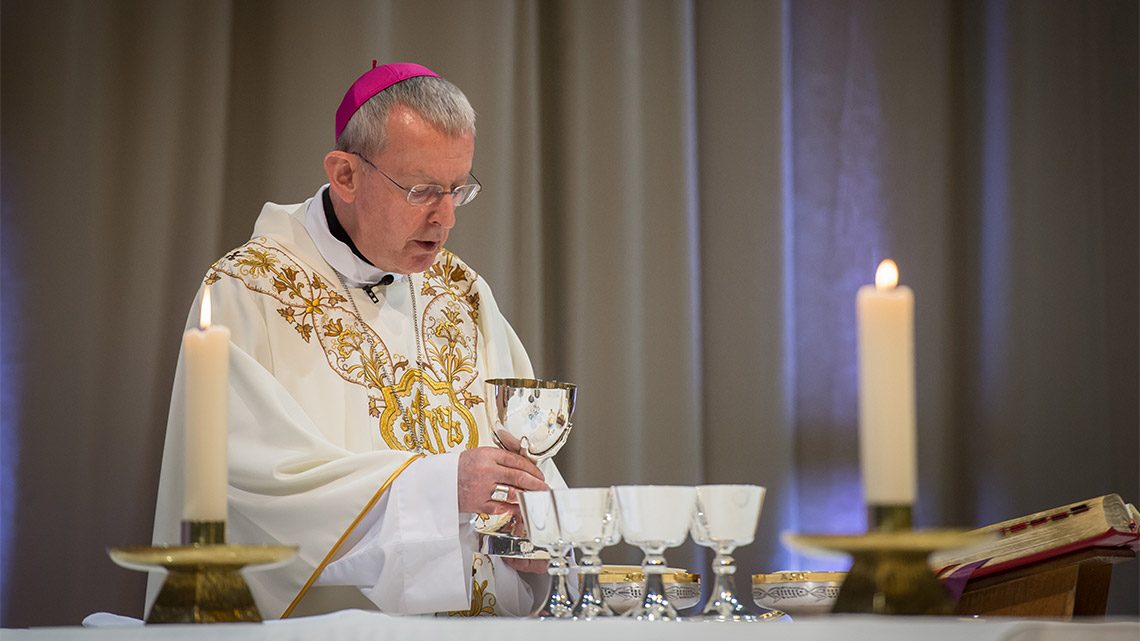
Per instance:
{"type": "Point", "coordinates": [206, 350]}
{"type": "Point", "coordinates": [885, 319]}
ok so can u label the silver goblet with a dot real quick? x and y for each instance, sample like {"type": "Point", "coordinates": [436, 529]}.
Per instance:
{"type": "Point", "coordinates": [541, 522]}
{"type": "Point", "coordinates": [588, 518]}
{"type": "Point", "coordinates": [530, 417]}
{"type": "Point", "coordinates": [724, 518]}
{"type": "Point", "coordinates": [655, 518]}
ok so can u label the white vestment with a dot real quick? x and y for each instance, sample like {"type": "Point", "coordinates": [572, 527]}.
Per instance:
{"type": "Point", "coordinates": [320, 417]}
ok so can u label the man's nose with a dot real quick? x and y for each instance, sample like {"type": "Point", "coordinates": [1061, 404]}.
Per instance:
{"type": "Point", "coordinates": [443, 211]}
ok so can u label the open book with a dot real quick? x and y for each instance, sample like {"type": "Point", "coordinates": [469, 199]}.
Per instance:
{"type": "Point", "coordinates": [1105, 521]}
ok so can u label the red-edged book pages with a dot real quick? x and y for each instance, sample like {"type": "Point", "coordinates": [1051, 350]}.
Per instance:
{"type": "Point", "coordinates": [1105, 522]}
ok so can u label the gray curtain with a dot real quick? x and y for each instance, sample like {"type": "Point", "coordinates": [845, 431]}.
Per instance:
{"type": "Point", "coordinates": [681, 201]}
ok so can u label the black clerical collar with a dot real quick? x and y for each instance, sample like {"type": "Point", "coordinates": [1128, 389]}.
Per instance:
{"type": "Point", "coordinates": [336, 229]}
{"type": "Point", "coordinates": [338, 232]}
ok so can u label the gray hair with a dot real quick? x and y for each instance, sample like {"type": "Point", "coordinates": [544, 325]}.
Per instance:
{"type": "Point", "coordinates": [438, 101]}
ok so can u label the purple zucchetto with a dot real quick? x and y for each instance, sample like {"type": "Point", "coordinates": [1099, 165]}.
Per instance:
{"type": "Point", "coordinates": [374, 81]}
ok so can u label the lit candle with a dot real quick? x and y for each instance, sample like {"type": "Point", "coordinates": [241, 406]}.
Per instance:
{"type": "Point", "coordinates": [206, 350]}
{"type": "Point", "coordinates": [885, 319]}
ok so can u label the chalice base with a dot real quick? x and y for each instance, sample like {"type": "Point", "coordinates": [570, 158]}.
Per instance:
{"type": "Point", "coordinates": [655, 605]}
{"type": "Point", "coordinates": [590, 604]}
{"type": "Point", "coordinates": [723, 606]}
{"type": "Point", "coordinates": [559, 605]}
{"type": "Point", "coordinates": [653, 609]}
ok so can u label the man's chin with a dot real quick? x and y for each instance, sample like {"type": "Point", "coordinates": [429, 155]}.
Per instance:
{"type": "Point", "coordinates": [422, 264]}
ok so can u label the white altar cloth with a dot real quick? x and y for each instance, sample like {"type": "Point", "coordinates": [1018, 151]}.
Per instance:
{"type": "Point", "coordinates": [355, 625]}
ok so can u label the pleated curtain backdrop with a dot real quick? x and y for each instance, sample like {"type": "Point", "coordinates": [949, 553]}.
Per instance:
{"type": "Point", "coordinates": [681, 199]}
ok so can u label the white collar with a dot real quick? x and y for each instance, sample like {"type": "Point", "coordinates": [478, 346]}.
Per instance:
{"type": "Point", "coordinates": [356, 272]}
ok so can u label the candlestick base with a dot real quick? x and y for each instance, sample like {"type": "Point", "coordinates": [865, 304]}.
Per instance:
{"type": "Point", "coordinates": [890, 573]}
{"type": "Point", "coordinates": [204, 582]}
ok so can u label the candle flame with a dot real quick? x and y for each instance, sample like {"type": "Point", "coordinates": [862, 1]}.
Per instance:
{"type": "Point", "coordinates": [887, 275]}
{"type": "Point", "coordinates": [204, 317]}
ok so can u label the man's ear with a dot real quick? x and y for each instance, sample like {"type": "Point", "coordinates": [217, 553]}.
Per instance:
{"type": "Point", "coordinates": [343, 171]}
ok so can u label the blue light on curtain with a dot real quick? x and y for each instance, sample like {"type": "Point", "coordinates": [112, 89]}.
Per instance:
{"type": "Point", "coordinates": [786, 557]}
{"type": "Point", "coordinates": [993, 286]}
{"type": "Point", "coordinates": [10, 385]}
{"type": "Point", "coordinates": [838, 231]}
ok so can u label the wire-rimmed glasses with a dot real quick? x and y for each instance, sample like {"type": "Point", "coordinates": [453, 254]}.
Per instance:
{"type": "Point", "coordinates": [423, 195]}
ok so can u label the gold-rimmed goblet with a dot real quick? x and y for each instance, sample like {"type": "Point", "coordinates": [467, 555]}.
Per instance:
{"type": "Point", "coordinates": [542, 528]}
{"type": "Point", "coordinates": [588, 518]}
{"type": "Point", "coordinates": [655, 518]}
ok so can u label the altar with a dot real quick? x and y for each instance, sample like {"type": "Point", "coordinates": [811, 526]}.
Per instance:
{"type": "Point", "coordinates": [356, 625]}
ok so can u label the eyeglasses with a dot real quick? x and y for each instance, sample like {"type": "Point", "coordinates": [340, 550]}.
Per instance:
{"type": "Point", "coordinates": [422, 195]}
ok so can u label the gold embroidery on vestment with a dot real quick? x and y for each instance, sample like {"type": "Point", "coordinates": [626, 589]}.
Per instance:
{"type": "Point", "coordinates": [482, 600]}
{"type": "Point", "coordinates": [448, 327]}
{"type": "Point", "coordinates": [443, 423]}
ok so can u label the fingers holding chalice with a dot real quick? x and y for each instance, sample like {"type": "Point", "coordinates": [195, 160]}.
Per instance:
{"type": "Point", "coordinates": [490, 480]}
{"type": "Point", "coordinates": [508, 441]}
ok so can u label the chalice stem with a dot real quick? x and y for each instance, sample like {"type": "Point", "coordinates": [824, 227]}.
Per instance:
{"type": "Point", "coordinates": [559, 605]}
{"type": "Point", "coordinates": [722, 600]}
{"type": "Point", "coordinates": [655, 605]}
{"type": "Point", "coordinates": [591, 603]}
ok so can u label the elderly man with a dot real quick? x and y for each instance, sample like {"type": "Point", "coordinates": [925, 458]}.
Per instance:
{"type": "Point", "coordinates": [358, 426]}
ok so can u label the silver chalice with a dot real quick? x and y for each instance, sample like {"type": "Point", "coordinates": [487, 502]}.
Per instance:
{"type": "Point", "coordinates": [724, 518]}
{"type": "Point", "coordinates": [543, 530]}
{"type": "Point", "coordinates": [588, 517]}
{"type": "Point", "coordinates": [530, 417]}
{"type": "Point", "coordinates": [655, 518]}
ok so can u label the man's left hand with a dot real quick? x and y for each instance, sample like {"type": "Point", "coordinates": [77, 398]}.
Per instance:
{"type": "Point", "coordinates": [535, 566]}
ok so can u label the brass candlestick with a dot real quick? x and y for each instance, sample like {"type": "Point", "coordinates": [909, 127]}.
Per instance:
{"type": "Point", "coordinates": [203, 533]}
{"type": "Point", "coordinates": [204, 582]}
{"type": "Point", "coordinates": [890, 572]}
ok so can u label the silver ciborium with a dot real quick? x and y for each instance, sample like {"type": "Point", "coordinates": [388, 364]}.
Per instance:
{"type": "Point", "coordinates": [530, 417]}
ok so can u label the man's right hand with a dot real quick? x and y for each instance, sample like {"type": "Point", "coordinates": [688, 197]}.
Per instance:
{"type": "Point", "coordinates": [483, 468]}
